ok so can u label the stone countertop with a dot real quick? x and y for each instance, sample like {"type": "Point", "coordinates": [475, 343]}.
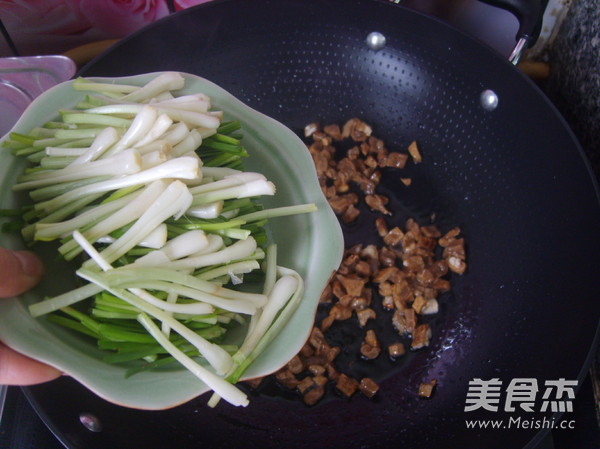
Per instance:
{"type": "Point", "coordinates": [574, 88]}
{"type": "Point", "coordinates": [574, 83]}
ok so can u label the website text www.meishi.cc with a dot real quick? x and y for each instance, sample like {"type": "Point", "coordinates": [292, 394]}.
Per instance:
{"type": "Point", "coordinates": [518, 422]}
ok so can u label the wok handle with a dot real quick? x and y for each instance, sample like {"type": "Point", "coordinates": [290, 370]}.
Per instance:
{"type": "Point", "coordinates": [529, 13]}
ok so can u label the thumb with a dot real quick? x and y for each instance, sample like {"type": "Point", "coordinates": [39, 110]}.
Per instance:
{"type": "Point", "coordinates": [16, 369]}
{"type": "Point", "coordinates": [19, 271]}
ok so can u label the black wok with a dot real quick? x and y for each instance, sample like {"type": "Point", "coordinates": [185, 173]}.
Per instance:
{"type": "Point", "coordinates": [513, 178]}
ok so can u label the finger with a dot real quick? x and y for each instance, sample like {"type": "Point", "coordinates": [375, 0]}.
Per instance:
{"type": "Point", "coordinates": [17, 369]}
{"type": "Point", "coordinates": [19, 271]}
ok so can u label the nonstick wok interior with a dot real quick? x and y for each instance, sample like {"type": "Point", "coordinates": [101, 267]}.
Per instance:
{"type": "Point", "coordinates": [513, 179]}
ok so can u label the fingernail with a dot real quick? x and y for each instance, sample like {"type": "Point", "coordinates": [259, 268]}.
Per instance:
{"type": "Point", "coordinates": [30, 263]}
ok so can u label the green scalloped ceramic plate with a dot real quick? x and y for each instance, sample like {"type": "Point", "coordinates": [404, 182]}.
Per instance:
{"type": "Point", "coordinates": [312, 244]}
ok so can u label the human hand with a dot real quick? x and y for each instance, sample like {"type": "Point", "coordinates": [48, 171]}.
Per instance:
{"type": "Point", "coordinates": [20, 271]}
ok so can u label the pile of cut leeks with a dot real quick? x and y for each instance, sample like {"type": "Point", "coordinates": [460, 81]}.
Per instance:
{"type": "Point", "coordinates": [145, 191]}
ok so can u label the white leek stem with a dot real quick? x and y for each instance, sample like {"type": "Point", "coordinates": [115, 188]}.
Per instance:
{"type": "Point", "coordinates": [66, 299]}
{"type": "Point", "coordinates": [153, 159]}
{"type": "Point", "coordinates": [163, 96]}
{"type": "Point", "coordinates": [158, 145]}
{"type": "Point", "coordinates": [161, 125]}
{"type": "Point", "coordinates": [206, 132]}
{"type": "Point", "coordinates": [172, 202]}
{"type": "Point", "coordinates": [215, 243]}
{"type": "Point", "coordinates": [191, 143]}
{"type": "Point", "coordinates": [62, 151]}
{"type": "Point", "coordinates": [136, 206]}
{"type": "Point", "coordinates": [236, 179]}
{"type": "Point", "coordinates": [91, 251]}
{"type": "Point", "coordinates": [211, 210]}
{"type": "Point", "coordinates": [126, 163]}
{"type": "Point", "coordinates": [239, 250]}
{"type": "Point", "coordinates": [197, 308]}
{"type": "Point", "coordinates": [220, 386]}
{"type": "Point", "coordinates": [164, 82]}
{"type": "Point", "coordinates": [204, 304]}
{"type": "Point", "coordinates": [283, 289]}
{"type": "Point", "coordinates": [132, 274]}
{"type": "Point", "coordinates": [248, 190]}
{"type": "Point", "coordinates": [194, 102]}
{"type": "Point", "coordinates": [213, 353]}
{"type": "Point", "coordinates": [219, 172]}
{"type": "Point", "coordinates": [141, 125]}
{"type": "Point", "coordinates": [152, 259]}
{"type": "Point", "coordinates": [176, 134]}
{"type": "Point", "coordinates": [165, 328]}
{"type": "Point", "coordinates": [246, 266]}
{"type": "Point", "coordinates": [185, 244]}
{"type": "Point", "coordinates": [182, 167]}
{"type": "Point", "coordinates": [103, 141]}
{"type": "Point", "coordinates": [84, 84]}
{"type": "Point", "coordinates": [190, 118]}
{"type": "Point", "coordinates": [156, 239]}
{"type": "Point", "coordinates": [50, 231]}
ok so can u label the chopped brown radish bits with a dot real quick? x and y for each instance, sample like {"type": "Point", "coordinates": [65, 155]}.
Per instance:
{"type": "Point", "coordinates": [350, 214]}
{"type": "Point", "coordinates": [419, 303]}
{"type": "Point", "coordinates": [395, 160]}
{"type": "Point", "coordinates": [449, 237]}
{"type": "Point", "coordinates": [426, 388]}
{"type": "Point", "coordinates": [381, 226]}
{"type": "Point", "coordinates": [365, 315]}
{"type": "Point", "coordinates": [320, 380]}
{"type": "Point", "coordinates": [405, 321]}
{"type": "Point", "coordinates": [378, 203]}
{"type": "Point", "coordinates": [361, 166]}
{"type": "Point", "coordinates": [371, 338]}
{"type": "Point", "coordinates": [332, 373]}
{"type": "Point", "coordinates": [396, 350]}
{"type": "Point", "coordinates": [353, 284]}
{"type": "Point", "coordinates": [305, 384]}
{"type": "Point", "coordinates": [403, 274]}
{"type": "Point", "coordinates": [368, 387]}
{"type": "Point", "coordinates": [357, 130]}
{"type": "Point", "coordinates": [369, 352]}
{"type": "Point", "coordinates": [317, 340]}
{"type": "Point", "coordinates": [333, 131]}
{"type": "Point", "coordinates": [326, 295]}
{"type": "Point", "coordinates": [457, 265]}
{"type": "Point", "coordinates": [370, 348]}
{"type": "Point", "coordinates": [421, 336]}
{"type": "Point", "coordinates": [295, 365]}
{"type": "Point", "coordinates": [431, 307]}
{"type": "Point", "coordinates": [317, 370]}
{"type": "Point", "coordinates": [310, 129]}
{"type": "Point", "coordinates": [286, 378]}
{"type": "Point", "coordinates": [307, 350]}
{"type": "Point", "coordinates": [311, 389]}
{"type": "Point", "coordinates": [413, 150]}
{"type": "Point", "coordinates": [314, 395]}
{"type": "Point", "coordinates": [347, 385]}
{"type": "Point", "coordinates": [341, 312]}
{"type": "Point", "coordinates": [393, 237]}
{"type": "Point", "coordinates": [254, 383]}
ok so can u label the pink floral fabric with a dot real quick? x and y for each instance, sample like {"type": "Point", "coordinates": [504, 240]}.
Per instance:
{"type": "Point", "coordinates": [121, 17]}
{"type": "Point", "coordinates": [53, 26]}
